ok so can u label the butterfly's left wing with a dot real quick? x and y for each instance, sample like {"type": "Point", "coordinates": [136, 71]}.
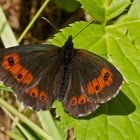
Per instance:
{"type": "Point", "coordinates": [29, 71]}
{"type": "Point", "coordinates": [93, 81]}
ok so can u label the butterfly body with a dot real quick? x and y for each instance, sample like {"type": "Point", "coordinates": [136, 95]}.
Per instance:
{"type": "Point", "coordinates": [67, 54]}
{"type": "Point", "coordinates": [40, 74]}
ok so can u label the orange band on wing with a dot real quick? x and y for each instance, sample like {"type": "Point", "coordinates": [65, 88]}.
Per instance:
{"type": "Point", "coordinates": [101, 82]}
{"type": "Point", "coordinates": [105, 71]}
{"type": "Point", "coordinates": [43, 96]}
{"type": "Point", "coordinates": [11, 62]}
{"type": "Point", "coordinates": [82, 99]}
{"type": "Point", "coordinates": [97, 85]}
{"type": "Point", "coordinates": [34, 92]}
{"type": "Point", "coordinates": [23, 76]}
{"type": "Point", "coordinates": [74, 100]}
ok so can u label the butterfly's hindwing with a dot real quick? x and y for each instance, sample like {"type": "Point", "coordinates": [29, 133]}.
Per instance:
{"type": "Point", "coordinates": [76, 102]}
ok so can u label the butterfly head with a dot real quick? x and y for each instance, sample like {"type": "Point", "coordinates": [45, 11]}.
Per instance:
{"type": "Point", "coordinates": [68, 44]}
{"type": "Point", "coordinates": [67, 52]}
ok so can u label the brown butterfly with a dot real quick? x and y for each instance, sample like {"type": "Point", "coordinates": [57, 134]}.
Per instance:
{"type": "Point", "coordinates": [40, 74]}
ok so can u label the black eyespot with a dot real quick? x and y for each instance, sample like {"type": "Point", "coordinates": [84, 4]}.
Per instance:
{"type": "Point", "coordinates": [97, 87]}
{"type": "Point", "coordinates": [33, 94]}
{"type": "Point", "coordinates": [10, 61]}
{"type": "Point", "coordinates": [106, 76]}
{"type": "Point", "coordinates": [19, 76]}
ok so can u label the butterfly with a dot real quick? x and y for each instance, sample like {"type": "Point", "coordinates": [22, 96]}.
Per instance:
{"type": "Point", "coordinates": [41, 74]}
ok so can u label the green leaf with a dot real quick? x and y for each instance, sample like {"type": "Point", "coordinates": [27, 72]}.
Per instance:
{"type": "Point", "coordinates": [94, 8]}
{"type": "Point", "coordinates": [117, 118]}
{"type": "Point", "coordinates": [68, 5]}
{"type": "Point", "coordinates": [105, 10]}
{"type": "Point", "coordinates": [133, 28]}
{"type": "Point", "coordinates": [49, 125]}
{"type": "Point", "coordinates": [114, 8]}
{"type": "Point", "coordinates": [134, 10]}
{"type": "Point", "coordinates": [6, 33]}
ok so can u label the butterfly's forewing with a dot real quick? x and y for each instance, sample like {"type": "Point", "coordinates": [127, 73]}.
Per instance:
{"type": "Point", "coordinates": [29, 71]}
{"type": "Point", "coordinates": [103, 80]}
{"type": "Point", "coordinates": [93, 81]}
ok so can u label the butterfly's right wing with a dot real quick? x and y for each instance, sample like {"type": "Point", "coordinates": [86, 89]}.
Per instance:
{"type": "Point", "coordinates": [93, 81]}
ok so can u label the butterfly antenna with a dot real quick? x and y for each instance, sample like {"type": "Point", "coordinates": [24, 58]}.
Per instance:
{"type": "Point", "coordinates": [53, 26]}
{"type": "Point", "coordinates": [93, 21]}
